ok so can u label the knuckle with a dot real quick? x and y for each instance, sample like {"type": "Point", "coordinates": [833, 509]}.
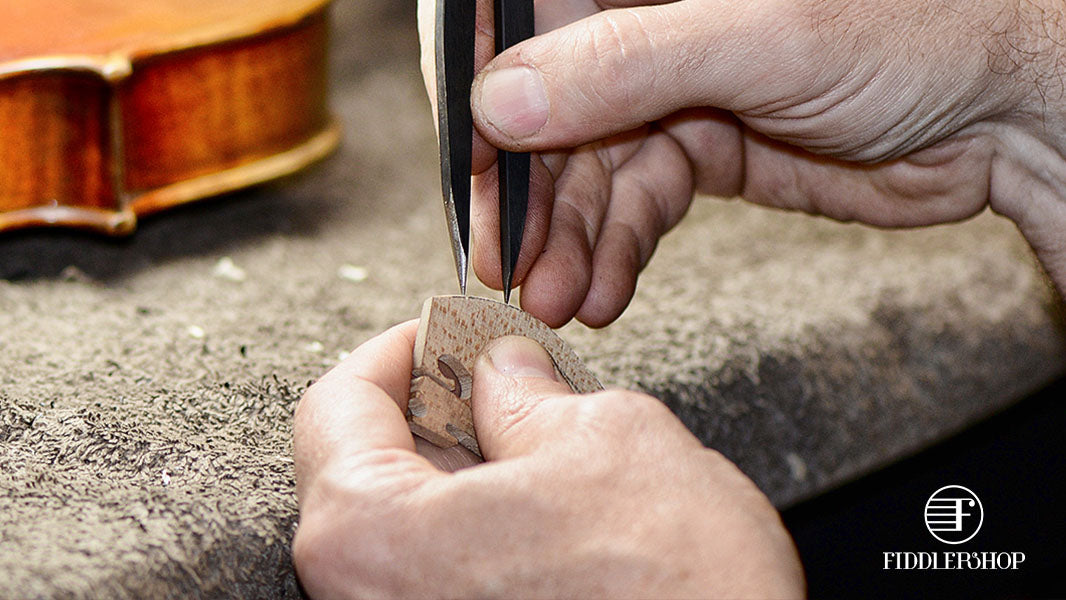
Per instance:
{"type": "Point", "coordinates": [729, 475]}
{"type": "Point", "coordinates": [611, 39]}
{"type": "Point", "coordinates": [648, 220]}
{"type": "Point", "coordinates": [642, 237]}
{"type": "Point", "coordinates": [618, 412]}
{"type": "Point", "coordinates": [308, 398]}
{"type": "Point", "coordinates": [309, 554]}
{"type": "Point", "coordinates": [317, 544]}
{"type": "Point", "coordinates": [615, 43]}
{"type": "Point", "coordinates": [349, 519]}
{"type": "Point", "coordinates": [326, 555]}
{"type": "Point", "coordinates": [368, 476]}
{"type": "Point", "coordinates": [314, 406]}
{"type": "Point", "coordinates": [306, 408]}
{"type": "Point", "coordinates": [584, 196]}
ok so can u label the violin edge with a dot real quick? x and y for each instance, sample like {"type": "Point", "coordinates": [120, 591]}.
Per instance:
{"type": "Point", "coordinates": [125, 157]}
{"type": "Point", "coordinates": [123, 221]}
{"type": "Point", "coordinates": [102, 61]}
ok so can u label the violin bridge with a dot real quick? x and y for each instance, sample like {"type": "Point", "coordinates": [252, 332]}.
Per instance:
{"type": "Point", "coordinates": [452, 333]}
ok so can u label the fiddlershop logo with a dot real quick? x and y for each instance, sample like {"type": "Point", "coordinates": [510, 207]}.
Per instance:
{"type": "Point", "coordinates": [953, 515]}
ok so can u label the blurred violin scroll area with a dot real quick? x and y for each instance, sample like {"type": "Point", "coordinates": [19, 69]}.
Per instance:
{"type": "Point", "coordinates": [110, 110]}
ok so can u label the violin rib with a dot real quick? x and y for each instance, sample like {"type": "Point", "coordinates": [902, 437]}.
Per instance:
{"type": "Point", "coordinates": [163, 103]}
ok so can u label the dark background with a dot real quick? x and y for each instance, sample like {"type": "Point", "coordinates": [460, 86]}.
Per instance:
{"type": "Point", "coordinates": [1014, 462]}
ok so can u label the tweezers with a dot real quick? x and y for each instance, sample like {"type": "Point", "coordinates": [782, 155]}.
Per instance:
{"type": "Point", "coordinates": [455, 28]}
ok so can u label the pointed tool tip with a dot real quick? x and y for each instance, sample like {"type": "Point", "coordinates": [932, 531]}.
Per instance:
{"type": "Point", "coordinates": [506, 277]}
{"type": "Point", "coordinates": [508, 286]}
{"type": "Point", "coordinates": [461, 267]}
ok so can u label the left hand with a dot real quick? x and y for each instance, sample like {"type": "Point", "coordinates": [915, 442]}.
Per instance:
{"type": "Point", "coordinates": [598, 495]}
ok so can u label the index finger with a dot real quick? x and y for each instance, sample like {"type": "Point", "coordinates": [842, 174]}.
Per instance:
{"type": "Point", "coordinates": [357, 406]}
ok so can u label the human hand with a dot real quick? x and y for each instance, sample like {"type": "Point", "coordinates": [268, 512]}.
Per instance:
{"type": "Point", "coordinates": [596, 495]}
{"type": "Point", "coordinates": [901, 114]}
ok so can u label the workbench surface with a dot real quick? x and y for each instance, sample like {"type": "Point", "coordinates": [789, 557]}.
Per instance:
{"type": "Point", "coordinates": [147, 385]}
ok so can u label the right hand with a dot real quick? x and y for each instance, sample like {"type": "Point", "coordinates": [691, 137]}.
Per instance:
{"type": "Point", "coordinates": [901, 114]}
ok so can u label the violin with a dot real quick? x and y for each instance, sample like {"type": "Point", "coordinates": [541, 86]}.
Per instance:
{"type": "Point", "coordinates": [115, 109]}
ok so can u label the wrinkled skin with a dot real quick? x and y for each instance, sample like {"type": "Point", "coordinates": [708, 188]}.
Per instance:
{"type": "Point", "coordinates": [901, 114]}
{"type": "Point", "coordinates": [895, 114]}
{"type": "Point", "coordinates": [582, 496]}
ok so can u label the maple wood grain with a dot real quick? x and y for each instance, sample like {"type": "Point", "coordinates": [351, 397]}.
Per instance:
{"type": "Point", "coordinates": [452, 333]}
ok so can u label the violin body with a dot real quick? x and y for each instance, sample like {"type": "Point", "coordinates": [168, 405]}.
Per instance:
{"type": "Point", "coordinates": [115, 109]}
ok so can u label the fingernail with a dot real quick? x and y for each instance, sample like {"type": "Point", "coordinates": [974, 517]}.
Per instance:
{"type": "Point", "coordinates": [521, 357]}
{"type": "Point", "coordinates": [513, 100]}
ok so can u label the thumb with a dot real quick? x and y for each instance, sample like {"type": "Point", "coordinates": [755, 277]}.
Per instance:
{"type": "Point", "coordinates": [621, 68]}
{"type": "Point", "coordinates": [514, 380]}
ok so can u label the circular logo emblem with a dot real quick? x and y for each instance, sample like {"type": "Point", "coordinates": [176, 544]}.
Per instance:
{"type": "Point", "coordinates": [953, 514]}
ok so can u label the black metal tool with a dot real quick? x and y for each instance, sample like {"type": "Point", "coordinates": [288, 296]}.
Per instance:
{"type": "Point", "coordinates": [514, 23]}
{"type": "Point", "coordinates": [455, 72]}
